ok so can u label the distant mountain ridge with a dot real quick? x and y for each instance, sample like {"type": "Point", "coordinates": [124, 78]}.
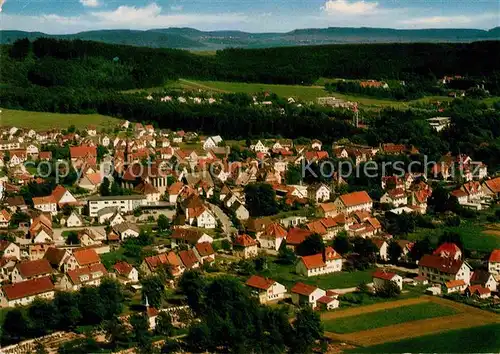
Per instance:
{"type": "Point", "coordinates": [193, 39]}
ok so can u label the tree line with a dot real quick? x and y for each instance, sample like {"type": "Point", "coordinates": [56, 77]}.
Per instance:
{"type": "Point", "coordinates": [76, 63]}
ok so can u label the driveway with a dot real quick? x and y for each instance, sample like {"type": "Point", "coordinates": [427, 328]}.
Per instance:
{"type": "Point", "coordinates": [227, 225]}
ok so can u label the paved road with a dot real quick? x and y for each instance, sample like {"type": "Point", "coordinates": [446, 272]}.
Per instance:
{"type": "Point", "coordinates": [227, 225]}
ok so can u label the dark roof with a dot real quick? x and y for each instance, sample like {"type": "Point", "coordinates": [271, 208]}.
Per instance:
{"type": "Point", "coordinates": [188, 235]}
{"type": "Point", "coordinates": [54, 256]}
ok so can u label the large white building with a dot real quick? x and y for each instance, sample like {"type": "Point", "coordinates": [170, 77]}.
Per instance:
{"type": "Point", "coordinates": [125, 203]}
{"type": "Point", "coordinates": [319, 264]}
{"type": "Point", "coordinates": [441, 270]}
{"type": "Point", "coordinates": [356, 201]}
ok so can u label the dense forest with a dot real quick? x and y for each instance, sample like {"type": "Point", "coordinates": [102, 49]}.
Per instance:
{"type": "Point", "coordinates": [84, 77]}
{"type": "Point", "coordinates": [52, 62]}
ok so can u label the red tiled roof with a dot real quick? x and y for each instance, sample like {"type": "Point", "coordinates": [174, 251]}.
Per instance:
{"type": "Point", "coordinates": [75, 275]}
{"type": "Point", "coordinates": [259, 282]}
{"type": "Point", "coordinates": [447, 249]}
{"type": "Point", "coordinates": [86, 256]}
{"type": "Point", "coordinates": [445, 265]}
{"type": "Point", "coordinates": [204, 249]}
{"type": "Point", "coordinates": [58, 193]}
{"type": "Point", "coordinates": [317, 227]}
{"type": "Point", "coordinates": [383, 274]}
{"type": "Point", "coordinates": [454, 283]}
{"type": "Point", "coordinates": [493, 184]}
{"type": "Point", "coordinates": [31, 269]}
{"type": "Point", "coordinates": [331, 254]}
{"type": "Point", "coordinates": [478, 289]}
{"type": "Point", "coordinates": [28, 288]}
{"type": "Point", "coordinates": [5, 214]}
{"type": "Point", "coordinates": [123, 268]}
{"type": "Point", "coordinates": [175, 188]}
{"type": "Point", "coordinates": [303, 289]}
{"type": "Point", "coordinates": [314, 261]}
{"type": "Point", "coordinates": [325, 300]}
{"type": "Point", "coordinates": [244, 241]}
{"type": "Point", "coordinates": [297, 235]}
{"type": "Point", "coordinates": [82, 151]}
{"type": "Point", "coordinates": [44, 200]}
{"type": "Point", "coordinates": [355, 198]}
{"type": "Point", "coordinates": [494, 256]}
{"type": "Point", "coordinates": [188, 258]}
{"type": "Point", "coordinates": [275, 230]}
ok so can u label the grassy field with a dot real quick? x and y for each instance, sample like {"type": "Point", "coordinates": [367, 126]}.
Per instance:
{"type": "Point", "coordinates": [484, 339]}
{"type": "Point", "coordinates": [387, 317]}
{"type": "Point", "coordinates": [474, 236]}
{"type": "Point", "coordinates": [44, 120]}
{"type": "Point", "coordinates": [285, 275]}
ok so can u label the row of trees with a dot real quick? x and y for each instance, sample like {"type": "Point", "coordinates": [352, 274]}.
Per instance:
{"type": "Point", "coordinates": [85, 63]}
{"type": "Point", "coordinates": [233, 321]}
{"type": "Point", "coordinates": [89, 306]}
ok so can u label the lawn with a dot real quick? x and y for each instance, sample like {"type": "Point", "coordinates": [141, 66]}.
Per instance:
{"type": "Point", "coordinates": [472, 233]}
{"type": "Point", "coordinates": [45, 120]}
{"type": "Point", "coordinates": [484, 339]}
{"type": "Point", "coordinates": [388, 317]}
{"type": "Point", "coordinates": [285, 274]}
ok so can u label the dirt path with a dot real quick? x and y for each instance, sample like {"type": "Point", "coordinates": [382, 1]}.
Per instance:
{"type": "Point", "coordinates": [372, 308]}
{"type": "Point", "coordinates": [196, 84]}
{"type": "Point", "coordinates": [468, 317]}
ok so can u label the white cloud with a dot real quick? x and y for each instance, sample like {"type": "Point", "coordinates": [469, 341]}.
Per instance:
{"type": "Point", "coordinates": [90, 3]}
{"type": "Point", "coordinates": [345, 7]}
{"type": "Point", "coordinates": [131, 17]}
{"type": "Point", "coordinates": [176, 7]}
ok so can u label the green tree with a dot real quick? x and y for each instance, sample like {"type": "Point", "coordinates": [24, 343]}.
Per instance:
{"type": "Point", "coordinates": [394, 251]}
{"type": "Point", "coordinates": [43, 317]}
{"type": "Point", "coordinates": [104, 187]}
{"type": "Point", "coordinates": [153, 287]}
{"type": "Point", "coordinates": [341, 243]}
{"type": "Point", "coordinates": [388, 290]}
{"type": "Point", "coordinates": [140, 331]}
{"type": "Point", "coordinates": [90, 305]}
{"type": "Point", "coordinates": [307, 330]}
{"type": "Point", "coordinates": [260, 199]}
{"type": "Point", "coordinates": [193, 285]}
{"type": "Point", "coordinates": [286, 255]}
{"type": "Point", "coordinates": [420, 248]}
{"type": "Point", "coordinates": [111, 297]}
{"type": "Point", "coordinates": [311, 245]}
{"type": "Point", "coordinates": [163, 223]}
{"type": "Point", "coordinates": [72, 238]}
{"type": "Point", "coordinates": [15, 327]}
{"type": "Point", "coordinates": [116, 333]}
{"type": "Point", "coordinates": [293, 175]}
{"type": "Point", "coordinates": [67, 309]}
{"type": "Point", "coordinates": [164, 324]}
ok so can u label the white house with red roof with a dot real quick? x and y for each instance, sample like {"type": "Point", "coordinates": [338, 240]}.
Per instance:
{"type": "Point", "coordinates": [24, 293]}
{"type": "Point", "coordinates": [4, 218]}
{"type": "Point", "coordinates": [441, 270]}
{"type": "Point", "coordinates": [46, 204]}
{"type": "Point", "coordinates": [265, 289]}
{"type": "Point", "coordinates": [494, 262]}
{"type": "Point", "coordinates": [381, 277]}
{"type": "Point", "coordinates": [10, 249]}
{"type": "Point", "coordinates": [126, 273]}
{"type": "Point", "coordinates": [63, 196]}
{"type": "Point", "coordinates": [355, 201]}
{"type": "Point", "coordinates": [395, 197]}
{"type": "Point", "coordinates": [245, 246]}
{"type": "Point", "coordinates": [304, 294]}
{"type": "Point", "coordinates": [448, 250]}
{"type": "Point", "coordinates": [91, 275]}
{"type": "Point", "coordinates": [272, 237]}
{"type": "Point", "coordinates": [318, 264]}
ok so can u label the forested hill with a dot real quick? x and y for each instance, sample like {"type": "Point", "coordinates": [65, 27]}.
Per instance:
{"type": "Point", "coordinates": [193, 39]}
{"type": "Point", "coordinates": [51, 62]}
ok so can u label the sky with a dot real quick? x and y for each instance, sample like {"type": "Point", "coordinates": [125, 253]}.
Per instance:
{"type": "Point", "coordinates": [70, 16]}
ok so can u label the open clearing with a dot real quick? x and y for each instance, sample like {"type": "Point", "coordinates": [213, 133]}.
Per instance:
{"type": "Point", "coordinates": [484, 339]}
{"type": "Point", "coordinates": [466, 317]}
{"type": "Point", "coordinates": [45, 120]}
{"type": "Point", "coordinates": [388, 317]}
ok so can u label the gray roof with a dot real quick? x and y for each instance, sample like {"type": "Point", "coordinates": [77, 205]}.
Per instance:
{"type": "Point", "coordinates": [106, 210]}
{"type": "Point", "coordinates": [124, 226]}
